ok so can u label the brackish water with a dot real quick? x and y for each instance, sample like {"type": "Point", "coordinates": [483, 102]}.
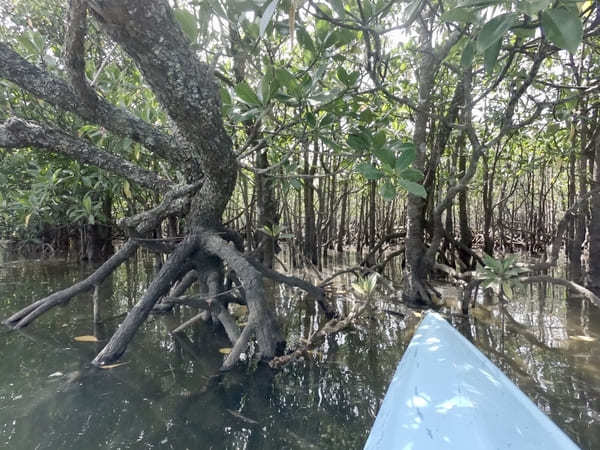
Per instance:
{"type": "Point", "coordinates": [169, 394]}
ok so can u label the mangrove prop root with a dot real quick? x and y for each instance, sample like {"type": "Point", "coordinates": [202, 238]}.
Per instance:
{"type": "Point", "coordinates": [28, 314]}
{"type": "Point", "coordinates": [262, 324]}
{"type": "Point", "coordinates": [168, 273]}
{"type": "Point", "coordinates": [316, 291]}
{"type": "Point", "coordinates": [261, 319]}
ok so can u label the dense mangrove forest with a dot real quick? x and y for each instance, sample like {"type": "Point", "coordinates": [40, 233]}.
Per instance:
{"type": "Point", "coordinates": [278, 189]}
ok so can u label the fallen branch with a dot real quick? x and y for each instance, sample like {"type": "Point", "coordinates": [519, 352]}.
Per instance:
{"type": "Point", "coordinates": [562, 282]}
{"type": "Point", "coordinates": [331, 327]}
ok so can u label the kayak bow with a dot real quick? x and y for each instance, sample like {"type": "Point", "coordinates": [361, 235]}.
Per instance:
{"type": "Point", "coordinates": [446, 394]}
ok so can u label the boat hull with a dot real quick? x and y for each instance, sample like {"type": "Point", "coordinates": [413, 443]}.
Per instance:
{"type": "Point", "coordinates": [446, 394]}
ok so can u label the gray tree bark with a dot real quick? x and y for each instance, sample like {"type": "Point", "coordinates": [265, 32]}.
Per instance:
{"type": "Point", "coordinates": [201, 149]}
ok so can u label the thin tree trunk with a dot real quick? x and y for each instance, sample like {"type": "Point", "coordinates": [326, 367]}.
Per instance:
{"type": "Point", "coordinates": [594, 236]}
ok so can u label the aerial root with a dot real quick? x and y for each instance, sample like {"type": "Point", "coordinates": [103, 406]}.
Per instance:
{"type": "Point", "coordinates": [261, 319]}
{"type": "Point", "coordinates": [28, 314]}
{"type": "Point", "coordinates": [169, 272]}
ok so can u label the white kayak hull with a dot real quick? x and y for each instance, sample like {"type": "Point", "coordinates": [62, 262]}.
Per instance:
{"type": "Point", "coordinates": [446, 394]}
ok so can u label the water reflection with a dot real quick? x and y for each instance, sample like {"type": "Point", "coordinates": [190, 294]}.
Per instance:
{"type": "Point", "coordinates": [171, 395]}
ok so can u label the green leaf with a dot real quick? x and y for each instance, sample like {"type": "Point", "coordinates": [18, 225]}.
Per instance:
{"type": "Point", "coordinates": [352, 77]}
{"type": "Point", "coordinates": [247, 95]}
{"type": "Point", "coordinates": [330, 40]}
{"type": "Point", "coordinates": [406, 158]}
{"type": "Point", "coordinates": [344, 37]}
{"type": "Point", "coordinates": [385, 156]}
{"type": "Point", "coordinates": [387, 191]}
{"type": "Point", "coordinates": [327, 120]}
{"type": "Point", "coordinates": [266, 17]}
{"type": "Point", "coordinates": [414, 188]}
{"type": "Point", "coordinates": [188, 23]}
{"type": "Point", "coordinates": [368, 171]}
{"type": "Point", "coordinates": [466, 59]}
{"type": "Point", "coordinates": [411, 174]}
{"type": "Point", "coordinates": [490, 56]}
{"type": "Point", "coordinates": [342, 75]}
{"type": "Point", "coordinates": [524, 32]}
{"type": "Point", "coordinates": [322, 31]}
{"type": "Point", "coordinates": [225, 97]}
{"type": "Point", "coordinates": [563, 27]}
{"type": "Point", "coordinates": [357, 142]}
{"type": "Point", "coordinates": [268, 86]}
{"type": "Point", "coordinates": [325, 9]}
{"type": "Point", "coordinates": [494, 30]}
{"type": "Point", "coordinates": [338, 7]}
{"type": "Point", "coordinates": [305, 40]}
{"type": "Point", "coordinates": [367, 116]}
{"type": "Point", "coordinates": [286, 79]}
{"type": "Point", "coordinates": [462, 14]}
{"type": "Point", "coordinates": [32, 41]}
{"type": "Point", "coordinates": [87, 204]}
{"type": "Point", "coordinates": [379, 139]}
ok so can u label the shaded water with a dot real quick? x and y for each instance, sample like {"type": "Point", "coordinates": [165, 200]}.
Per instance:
{"type": "Point", "coordinates": [170, 395]}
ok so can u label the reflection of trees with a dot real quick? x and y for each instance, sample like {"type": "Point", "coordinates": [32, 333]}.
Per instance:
{"type": "Point", "coordinates": [171, 389]}
{"type": "Point", "coordinates": [553, 378]}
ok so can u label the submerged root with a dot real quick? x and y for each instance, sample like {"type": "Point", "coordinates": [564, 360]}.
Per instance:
{"type": "Point", "coordinates": [200, 257]}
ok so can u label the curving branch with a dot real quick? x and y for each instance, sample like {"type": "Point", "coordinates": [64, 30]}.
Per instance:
{"type": "Point", "coordinates": [172, 204]}
{"type": "Point", "coordinates": [56, 92]}
{"type": "Point", "coordinates": [18, 133]}
{"type": "Point", "coordinates": [75, 52]}
{"type": "Point", "coordinates": [185, 87]}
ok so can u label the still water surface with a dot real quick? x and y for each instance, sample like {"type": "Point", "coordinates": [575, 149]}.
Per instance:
{"type": "Point", "coordinates": [170, 394]}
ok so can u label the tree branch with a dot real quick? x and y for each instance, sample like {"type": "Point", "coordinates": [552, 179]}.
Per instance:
{"type": "Point", "coordinates": [184, 86]}
{"type": "Point", "coordinates": [56, 92]}
{"type": "Point", "coordinates": [74, 52]}
{"type": "Point", "coordinates": [18, 133]}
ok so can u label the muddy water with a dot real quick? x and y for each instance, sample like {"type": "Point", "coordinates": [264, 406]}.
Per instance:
{"type": "Point", "coordinates": [170, 395]}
